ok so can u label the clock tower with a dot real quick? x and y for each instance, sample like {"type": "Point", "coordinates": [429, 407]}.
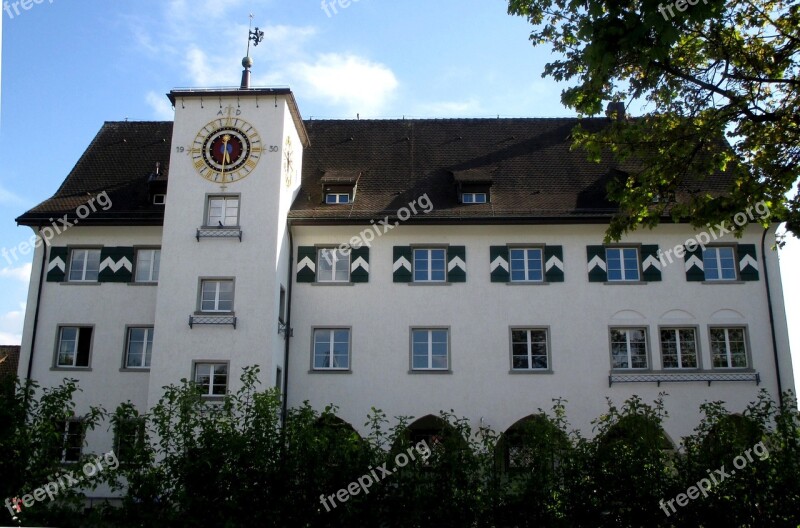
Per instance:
{"type": "Point", "coordinates": [236, 156]}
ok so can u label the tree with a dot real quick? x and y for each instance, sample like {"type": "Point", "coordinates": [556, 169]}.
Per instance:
{"type": "Point", "coordinates": [719, 84]}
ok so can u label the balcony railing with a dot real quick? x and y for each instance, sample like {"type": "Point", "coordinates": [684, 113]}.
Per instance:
{"type": "Point", "coordinates": [219, 232]}
{"type": "Point", "coordinates": [682, 377]}
{"type": "Point", "coordinates": [212, 320]}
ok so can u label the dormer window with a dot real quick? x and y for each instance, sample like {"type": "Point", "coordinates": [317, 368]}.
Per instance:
{"type": "Point", "coordinates": [473, 186]}
{"type": "Point", "coordinates": [473, 197]}
{"type": "Point", "coordinates": [337, 198]}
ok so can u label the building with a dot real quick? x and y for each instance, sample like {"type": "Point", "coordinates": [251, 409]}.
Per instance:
{"type": "Point", "coordinates": [409, 265]}
{"type": "Point", "coordinates": [9, 360]}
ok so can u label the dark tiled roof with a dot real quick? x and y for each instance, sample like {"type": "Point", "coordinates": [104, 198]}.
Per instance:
{"type": "Point", "coordinates": [534, 174]}
{"type": "Point", "coordinates": [9, 360]}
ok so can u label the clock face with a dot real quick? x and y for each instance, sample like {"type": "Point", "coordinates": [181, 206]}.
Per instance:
{"type": "Point", "coordinates": [226, 150]}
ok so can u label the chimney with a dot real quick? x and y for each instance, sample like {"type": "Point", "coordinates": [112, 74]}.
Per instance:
{"type": "Point", "coordinates": [616, 111]}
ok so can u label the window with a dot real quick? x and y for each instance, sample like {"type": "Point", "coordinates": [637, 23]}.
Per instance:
{"type": "Point", "coordinates": [728, 348]}
{"type": "Point", "coordinates": [334, 266]}
{"type": "Point", "coordinates": [629, 348]}
{"type": "Point", "coordinates": [211, 378]}
{"type": "Point", "coordinates": [223, 211]}
{"type": "Point", "coordinates": [216, 296]}
{"type": "Point", "coordinates": [72, 432]}
{"type": "Point", "coordinates": [473, 198]}
{"type": "Point", "coordinates": [140, 348]}
{"type": "Point", "coordinates": [678, 348]}
{"type": "Point", "coordinates": [148, 262]}
{"type": "Point", "coordinates": [526, 265]}
{"type": "Point", "coordinates": [74, 345]}
{"type": "Point", "coordinates": [429, 349]}
{"type": "Point", "coordinates": [128, 436]}
{"type": "Point", "coordinates": [623, 264]}
{"type": "Point", "coordinates": [159, 199]}
{"type": "Point", "coordinates": [337, 198]}
{"type": "Point", "coordinates": [332, 349]}
{"type": "Point", "coordinates": [429, 265]}
{"type": "Point", "coordinates": [529, 349]}
{"type": "Point", "coordinates": [279, 379]}
{"type": "Point", "coordinates": [719, 263]}
{"type": "Point", "coordinates": [84, 265]}
{"type": "Point", "coordinates": [282, 305]}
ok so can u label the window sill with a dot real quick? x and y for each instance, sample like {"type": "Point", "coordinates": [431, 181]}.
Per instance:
{"type": "Point", "coordinates": [432, 283]}
{"type": "Point", "coordinates": [430, 371]}
{"type": "Point", "coordinates": [128, 369]}
{"type": "Point", "coordinates": [530, 371]}
{"type": "Point", "coordinates": [142, 284]}
{"type": "Point", "coordinates": [212, 399]}
{"type": "Point", "coordinates": [80, 283]}
{"type": "Point", "coordinates": [625, 283]}
{"type": "Point", "coordinates": [71, 369]}
{"type": "Point", "coordinates": [333, 283]}
{"type": "Point", "coordinates": [528, 283]}
{"type": "Point", "coordinates": [723, 282]}
{"type": "Point", "coordinates": [330, 371]}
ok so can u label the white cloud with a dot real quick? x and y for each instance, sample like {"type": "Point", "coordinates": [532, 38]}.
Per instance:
{"type": "Point", "coordinates": [350, 82]}
{"type": "Point", "coordinates": [11, 326]}
{"type": "Point", "coordinates": [9, 198]}
{"type": "Point", "coordinates": [162, 109]}
{"type": "Point", "coordinates": [22, 273]}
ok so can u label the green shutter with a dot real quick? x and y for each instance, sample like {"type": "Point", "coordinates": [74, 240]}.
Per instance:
{"type": "Point", "coordinates": [554, 264]}
{"type": "Point", "coordinates": [306, 264]}
{"type": "Point", "coordinates": [456, 264]}
{"type": "Point", "coordinates": [596, 259]}
{"type": "Point", "coordinates": [651, 265]}
{"type": "Point", "coordinates": [116, 264]}
{"type": "Point", "coordinates": [498, 264]}
{"type": "Point", "coordinates": [693, 263]}
{"type": "Point", "coordinates": [57, 265]}
{"type": "Point", "coordinates": [748, 262]}
{"type": "Point", "coordinates": [401, 264]}
{"type": "Point", "coordinates": [359, 265]}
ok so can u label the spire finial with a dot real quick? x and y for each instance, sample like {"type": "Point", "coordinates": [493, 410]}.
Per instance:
{"type": "Point", "coordinates": [254, 36]}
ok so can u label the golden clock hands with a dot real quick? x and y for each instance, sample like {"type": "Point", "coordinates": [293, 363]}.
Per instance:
{"type": "Point", "coordinates": [225, 156]}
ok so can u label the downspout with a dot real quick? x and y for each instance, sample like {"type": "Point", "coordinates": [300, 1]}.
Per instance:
{"type": "Point", "coordinates": [772, 319]}
{"type": "Point", "coordinates": [38, 304]}
{"type": "Point", "coordinates": [288, 334]}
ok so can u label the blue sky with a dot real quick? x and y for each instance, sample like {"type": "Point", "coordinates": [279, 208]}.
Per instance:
{"type": "Point", "coordinates": [69, 65]}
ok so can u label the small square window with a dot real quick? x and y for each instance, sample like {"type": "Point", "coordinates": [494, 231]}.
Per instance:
{"type": "Point", "coordinates": [629, 348]}
{"type": "Point", "coordinates": [332, 349]}
{"type": "Point", "coordinates": [337, 198]}
{"type": "Point", "coordinates": [223, 211]}
{"type": "Point", "coordinates": [429, 265]}
{"type": "Point", "coordinates": [140, 348]}
{"type": "Point", "coordinates": [84, 265]}
{"type": "Point", "coordinates": [74, 346]}
{"type": "Point", "coordinates": [212, 378]}
{"type": "Point", "coordinates": [72, 436]}
{"type": "Point", "coordinates": [159, 199]}
{"type": "Point", "coordinates": [719, 263]}
{"type": "Point", "coordinates": [473, 198]}
{"type": "Point", "coordinates": [526, 265]}
{"type": "Point", "coordinates": [728, 348]}
{"type": "Point", "coordinates": [430, 349]}
{"type": "Point", "coordinates": [148, 264]}
{"type": "Point", "coordinates": [678, 348]}
{"type": "Point", "coordinates": [216, 296]}
{"type": "Point", "coordinates": [623, 264]}
{"type": "Point", "coordinates": [333, 266]}
{"type": "Point", "coordinates": [529, 349]}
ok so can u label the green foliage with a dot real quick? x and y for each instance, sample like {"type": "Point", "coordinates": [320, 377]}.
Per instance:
{"type": "Point", "coordinates": [716, 70]}
{"type": "Point", "coordinates": [232, 463]}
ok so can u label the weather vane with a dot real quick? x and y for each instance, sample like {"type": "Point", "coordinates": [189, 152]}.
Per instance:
{"type": "Point", "coordinates": [254, 36]}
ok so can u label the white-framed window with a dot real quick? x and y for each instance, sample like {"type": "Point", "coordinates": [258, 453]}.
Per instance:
{"type": "Point", "coordinates": [719, 263]}
{"type": "Point", "coordinates": [678, 348]}
{"type": "Point", "coordinates": [629, 348]}
{"type": "Point", "coordinates": [84, 265]}
{"type": "Point", "coordinates": [223, 211]}
{"type": "Point", "coordinates": [332, 349]}
{"type": "Point", "coordinates": [526, 265]}
{"type": "Point", "coordinates": [623, 264]}
{"type": "Point", "coordinates": [74, 346]}
{"type": "Point", "coordinates": [529, 349]}
{"type": "Point", "coordinates": [216, 295]}
{"type": "Point", "coordinates": [728, 347]}
{"type": "Point", "coordinates": [140, 348]}
{"type": "Point", "coordinates": [128, 436]}
{"type": "Point", "coordinates": [333, 265]}
{"type": "Point", "coordinates": [430, 265]}
{"type": "Point", "coordinates": [473, 197]}
{"type": "Point", "coordinates": [72, 434]}
{"type": "Point", "coordinates": [148, 264]}
{"type": "Point", "coordinates": [337, 198]}
{"type": "Point", "coordinates": [430, 349]}
{"type": "Point", "coordinates": [212, 378]}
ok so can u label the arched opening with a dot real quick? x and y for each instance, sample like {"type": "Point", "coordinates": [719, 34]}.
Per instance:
{"type": "Point", "coordinates": [533, 443]}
